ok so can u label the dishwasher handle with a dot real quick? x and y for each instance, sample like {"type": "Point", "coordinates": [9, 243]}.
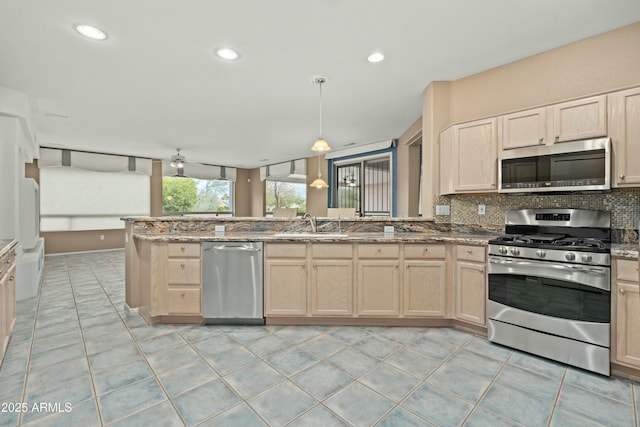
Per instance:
{"type": "Point", "coordinates": [231, 247]}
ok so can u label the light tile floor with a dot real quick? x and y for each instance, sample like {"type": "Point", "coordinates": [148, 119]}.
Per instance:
{"type": "Point", "coordinates": [78, 358]}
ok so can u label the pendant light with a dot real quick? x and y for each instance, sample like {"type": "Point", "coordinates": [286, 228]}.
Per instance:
{"type": "Point", "coordinates": [320, 145]}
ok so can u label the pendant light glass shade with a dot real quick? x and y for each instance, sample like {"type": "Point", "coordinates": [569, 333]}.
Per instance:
{"type": "Point", "coordinates": [319, 184]}
{"type": "Point", "coordinates": [320, 145]}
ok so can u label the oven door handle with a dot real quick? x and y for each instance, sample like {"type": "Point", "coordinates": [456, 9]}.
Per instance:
{"type": "Point", "coordinates": [598, 277]}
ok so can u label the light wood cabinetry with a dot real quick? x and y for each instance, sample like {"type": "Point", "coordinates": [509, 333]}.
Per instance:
{"type": "Point", "coordinates": [469, 157]}
{"type": "Point", "coordinates": [624, 129]}
{"type": "Point", "coordinates": [626, 313]}
{"type": "Point", "coordinates": [378, 279]}
{"type": "Point", "coordinates": [332, 279]}
{"type": "Point", "coordinates": [580, 119]}
{"type": "Point", "coordinates": [184, 283]}
{"type": "Point", "coordinates": [7, 299]}
{"type": "Point", "coordinates": [285, 279]}
{"type": "Point", "coordinates": [424, 280]}
{"type": "Point", "coordinates": [524, 129]}
{"type": "Point", "coordinates": [470, 284]}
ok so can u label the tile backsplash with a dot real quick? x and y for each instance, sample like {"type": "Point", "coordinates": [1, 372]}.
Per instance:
{"type": "Point", "coordinates": [624, 205]}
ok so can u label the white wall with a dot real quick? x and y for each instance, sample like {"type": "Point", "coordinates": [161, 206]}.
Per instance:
{"type": "Point", "coordinates": [8, 178]}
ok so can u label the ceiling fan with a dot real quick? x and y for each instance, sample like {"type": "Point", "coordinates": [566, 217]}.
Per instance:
{"type": "Point", "coordinates": [178, 160]}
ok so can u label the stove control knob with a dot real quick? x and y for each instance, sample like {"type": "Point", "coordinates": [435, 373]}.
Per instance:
{"type": "Point", "coordinates": [570, 256]}
{"type": "Point", "coordinates": [587, 258]}
{"type": "Point", "coordinates": [502, 250]}
{"type": "Point", "coordinates": [515, 251]}
{"type": "Point", "coordinates": [541, 253]}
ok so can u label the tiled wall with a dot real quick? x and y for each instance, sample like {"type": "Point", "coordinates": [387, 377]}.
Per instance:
{"type": "Point", "coordinates": [623, 204]}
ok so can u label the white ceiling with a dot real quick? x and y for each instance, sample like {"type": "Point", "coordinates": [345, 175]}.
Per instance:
{"type": "Point", "coordinates": [154, 85]}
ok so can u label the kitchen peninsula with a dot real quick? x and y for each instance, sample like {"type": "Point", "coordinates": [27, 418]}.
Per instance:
{"type": "Point", "coordinates": [349, 272]}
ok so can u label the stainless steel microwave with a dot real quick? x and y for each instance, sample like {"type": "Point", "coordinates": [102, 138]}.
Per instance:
{"type": "Point", "coordinates": [566, 166]}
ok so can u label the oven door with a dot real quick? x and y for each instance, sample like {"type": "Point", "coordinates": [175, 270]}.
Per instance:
{"type": "Point", "coordinates": [567, 300]}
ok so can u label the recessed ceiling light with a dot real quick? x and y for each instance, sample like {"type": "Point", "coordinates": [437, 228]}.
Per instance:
{"type": "Point", "coordinates": [375, 57]}
{"type": "Point", "coordinates": [227, 54]}
{"type": "Point", "coordinates": [91, 32]}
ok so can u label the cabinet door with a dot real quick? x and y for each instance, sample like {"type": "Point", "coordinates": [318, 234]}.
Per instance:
{"type": "Point", "coordinates": [524, 129]}
{"type": "Point", "coordinates": [184, 301]}
{"type": "Point", "coordinates": [627, 312]}
{"type": "Point", "coordinates": [581, 119]}
{"type": "Point", "coordinates": [378, 288]}
{"type": "Point", "coordinates": [332, 287]}
{"type": "Point", "coordinates": [475, 155]}
{"type": "Point", "coordinates": [470, 292]}
{"type": "Point", "coordinates": [285, 287]}
{"type": "Point", "coordinates": [424, 288]}
{"type": "Point", "coordinates": [4, 336]}
{"type": "Point", "coordinates": [184, 271]}
{"type": "Point", "coordinates": [624, 129]}
{"type": "Point", "coordinates": [11, 300]}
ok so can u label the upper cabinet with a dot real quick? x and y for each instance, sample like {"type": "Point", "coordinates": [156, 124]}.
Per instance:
{"type": "Point", "coordinates": [524, 129]}
{"type": "Point", "coordinates": [624, 130]}
{"type": "Point", "coordinates": [581, 119]}
{"type": "Point", "coordinates": [468, 157]}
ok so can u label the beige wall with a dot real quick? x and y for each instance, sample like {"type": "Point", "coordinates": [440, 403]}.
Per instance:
{"type": "Point", "coordinates": [316, 199]}
{"type": "Point", "coordinates": [598, 64]}
{"type": "Point", "coordinates": [408, 173]}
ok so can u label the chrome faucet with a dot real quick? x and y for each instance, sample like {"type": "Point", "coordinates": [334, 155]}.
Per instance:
{"type": "Point", "coordinates": [312, 221]}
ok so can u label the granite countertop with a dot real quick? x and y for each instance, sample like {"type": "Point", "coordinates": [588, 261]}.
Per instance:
{"type": "Point", "coordinates": [414, 237]}
{"type": "Point", "coordinates": [6, 245]}
{"type": "Point", "coordinates": [625, 250]}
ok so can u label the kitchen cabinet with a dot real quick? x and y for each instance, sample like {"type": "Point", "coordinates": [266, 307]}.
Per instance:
{"type": "Point", "coordinates": [285, 279]}
{"type": "Point", "coordinates": [470, 284]}
{"type": "Point", "coordinates": [523, 129]}
{"type": "Point", "coordinates": [332, 279]}
{"type": "Point", "coordinates": [624, 129]}
{"type": "Point", "coordinates": [470, 162]}
{"type": "Point", "coordinates": [626, 313]}
{"type": "Point", "coordinates": [424, 280]}
{"type": "Point", "coordinates": [378, 279]}
{"type": "Point", "coordinates": [580, 119]}
{"type": "Point", "coordinates": [7, 298]}
{"type": "Point", "coordinates": [184, 283]}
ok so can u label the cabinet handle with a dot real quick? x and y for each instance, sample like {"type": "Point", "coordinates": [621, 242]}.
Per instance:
{"type": "Point", "coordinates": [482, 270]}
{"type": "Point", "coordinates": [182, 294]}
{"type": "Point", "coordinates": [469, 251]}
{"type": "Point", "coordinates": [426, 250]}
{"type": "Point", "coordinates": [11, 278]}
{"type": "Point", "coordinates": [8, 261]}
{"type": "Point", "coordinates": [541, 140]}
{"type": "Point", "coordinates": [621, 291]}
{"type": "Point", "coordinates": [182, 265]}
{"type": "Point", "coordinates": [379, 250]}
{"type": "Point", "coordinates": [182, 248]}
{"type": "Point", "coordinates": [557, 137]}
{"type": "Point", "coordinates": [621, 176]}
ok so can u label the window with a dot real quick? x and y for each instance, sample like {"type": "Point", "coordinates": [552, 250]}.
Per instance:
{"type": "Point", "coordinates": [88, 191]}
{"type": "Point", "coordinates": [283, 194]}
{"type": "Point", "coordinates": [363, 178]}
{"type": "Point", "coordinates": [285, 185]}
{"type": "Point", "coordinates": [192, 195]}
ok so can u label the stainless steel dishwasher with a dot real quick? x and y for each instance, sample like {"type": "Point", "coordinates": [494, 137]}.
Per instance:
{"type": "Point", "coordinates": [232, 290]}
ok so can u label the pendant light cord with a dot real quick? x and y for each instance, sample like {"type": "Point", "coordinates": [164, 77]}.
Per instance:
{"type": "Point", "coordinates": [320, 84]}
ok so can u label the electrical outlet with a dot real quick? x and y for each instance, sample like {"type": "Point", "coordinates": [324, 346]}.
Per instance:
{"type": "Point", "coordinates": [482, 209]}
{"type": "Point", "coordinates": [102, 237]}
{"type": "Point", "coordinates": [388, 229]}
{"type": "Point", "coordinates": [443, 210]}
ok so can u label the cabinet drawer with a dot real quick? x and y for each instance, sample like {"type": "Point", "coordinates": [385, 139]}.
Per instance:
{"type": "Point", "coordinates": [284, 250]}
{"type": "Point", "coordinates": [183, 250]}
{"type": "Point", "coordinates": [470, 253]}
{"type": "Point", "coordinates": [183, 301]}
{"type": "Point", "coordinates": [320, 250]}
{"type": "Point", "coordinates": [184, 271]}
{"type": "Point", "coordinates": [424, 251]}
{"type": "Point", "coordinates": [627, 270]}
{"type": "Point", "coordinates": [378, 251]}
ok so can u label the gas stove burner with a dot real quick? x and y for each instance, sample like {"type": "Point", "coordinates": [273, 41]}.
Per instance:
{"type": "Point", "coordinates": [581, 242]}
{"type": "Point", "coordinates": [540, 238]}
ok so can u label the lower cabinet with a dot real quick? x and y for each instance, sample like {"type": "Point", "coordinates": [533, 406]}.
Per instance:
{"type": "Point", "coordinates": [285, 279]}
{"type": "Point", "coordinates": [470, 284]}
{"type": "Point", "coordinates": [7, 299]}
{"type": "Point", "coordinates": [425, 280]}
{"type": "Point", "coordinates": [332, 279]}
{"type": "Point", "coordinates": [378, 280]}
{"type": "Point", "coordinates": [626, 313]}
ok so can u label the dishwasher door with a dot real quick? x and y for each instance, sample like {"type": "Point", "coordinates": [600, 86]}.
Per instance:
{"type": "Point", "coordinates": [232, 289]}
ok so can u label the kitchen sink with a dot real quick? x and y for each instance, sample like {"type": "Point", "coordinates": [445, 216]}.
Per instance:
{"type": "Point", "coordinates": [312, 235]}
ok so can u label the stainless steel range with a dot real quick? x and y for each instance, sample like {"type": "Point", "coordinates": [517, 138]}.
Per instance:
{"type": "Point", "coordinates": [549, 286]}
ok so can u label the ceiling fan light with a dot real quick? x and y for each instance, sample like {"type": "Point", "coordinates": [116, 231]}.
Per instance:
{"type": "Point", "coordinates": [320, 145]}
{"type": "Point", "coordinates": [91, 32]}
